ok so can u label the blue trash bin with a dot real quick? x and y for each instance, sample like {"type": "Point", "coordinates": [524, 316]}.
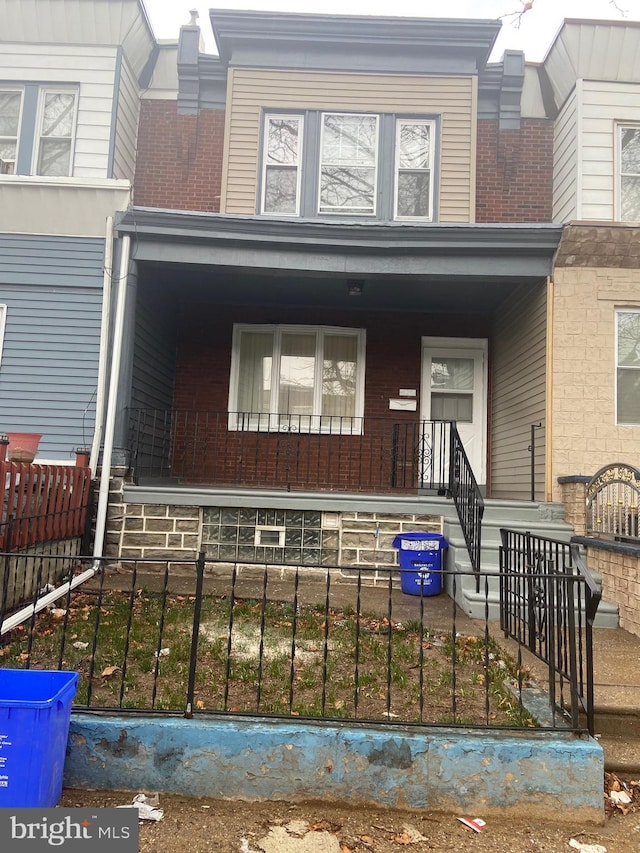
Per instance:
{"type": "Point", "coordinates": [420, 558]}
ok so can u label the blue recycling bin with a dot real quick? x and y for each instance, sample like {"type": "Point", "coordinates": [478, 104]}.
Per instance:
{"type": "Point", "coordinates": [420, 556]}
{"type": "Point", "coordinates": [35, 711]}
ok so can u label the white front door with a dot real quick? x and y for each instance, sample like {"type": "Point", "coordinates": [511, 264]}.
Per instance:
{"type": "Point", "coordinates": [454, 388]}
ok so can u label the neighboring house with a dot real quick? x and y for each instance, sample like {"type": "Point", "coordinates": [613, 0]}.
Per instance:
{"type": "Point", "coordinates": [70, 82]}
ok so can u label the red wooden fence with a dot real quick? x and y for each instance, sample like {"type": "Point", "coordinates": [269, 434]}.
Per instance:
{"type": "Point", "coordinates": [42, 503]}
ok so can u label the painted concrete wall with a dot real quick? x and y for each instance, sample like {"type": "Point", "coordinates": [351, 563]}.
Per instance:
{"type": "Point", "coordinates": [458, 771]}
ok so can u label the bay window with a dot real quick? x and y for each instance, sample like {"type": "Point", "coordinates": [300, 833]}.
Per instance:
{"type": "Point", "coordinates": [297, 378]}
{"type": "Point", "coordinates": [348, 165]}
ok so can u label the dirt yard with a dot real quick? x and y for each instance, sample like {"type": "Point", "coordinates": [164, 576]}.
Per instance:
{"type": "Point", "coordinates": [216, 826]}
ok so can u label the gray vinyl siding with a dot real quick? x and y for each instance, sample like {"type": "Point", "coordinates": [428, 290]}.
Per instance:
{"type": "Point", "coordinates": [49, 370]}
{"type": "Point", "coordinates": [154, 358]}
{"type": "Point", "coordinates": [518, 394]}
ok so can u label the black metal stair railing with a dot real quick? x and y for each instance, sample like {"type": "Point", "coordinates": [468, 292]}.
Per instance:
{"type": "Point", "coordinates": [467, 498]}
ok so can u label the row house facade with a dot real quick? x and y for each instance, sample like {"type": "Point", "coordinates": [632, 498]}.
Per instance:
{"type": "Point", "coordinates": [344, 235]}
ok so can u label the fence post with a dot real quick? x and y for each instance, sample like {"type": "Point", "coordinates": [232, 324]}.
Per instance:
{"type": "Point", "coordinates": [195, 633]}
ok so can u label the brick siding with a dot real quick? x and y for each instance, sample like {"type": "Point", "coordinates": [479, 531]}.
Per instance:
{"type": "Point", "coordinates": [514, 178]}
{"type": "Point", "coordinates": [179, 161]}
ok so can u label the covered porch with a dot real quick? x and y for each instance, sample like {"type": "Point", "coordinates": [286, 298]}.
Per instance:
{"type": "Point", "coordinates": [331, 357]}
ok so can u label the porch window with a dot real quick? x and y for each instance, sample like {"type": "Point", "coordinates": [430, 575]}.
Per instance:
{"type": "Point", "coordinates": [297, 379]}
{"type": "Point", "coordinates": [10, 110]}
{"type": "Point", "coordinates": [413, 169]}
{"type": "Point", "coordinates": [281, 178]}
{"type": "Point", "coordinates": [55, 133]}
{"type": "Point", "coordinates": [628, 367]}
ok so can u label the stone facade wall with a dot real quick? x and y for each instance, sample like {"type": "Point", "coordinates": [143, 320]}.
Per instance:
{"type": "Point", "coordinates": [619, 568]}
{"type": "Point", "coordinates": [309, 538]}
{"type": "Point", "coordinates": [585, 436]}
{"type": "Point", "coordinates": [573, 495]}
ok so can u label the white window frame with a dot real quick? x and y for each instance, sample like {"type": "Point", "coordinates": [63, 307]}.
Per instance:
{"type": "Point", "coordinates": [274, 421]}
{"type": "Point", "coordinates": [618, 366]}
{"type": "Point", "coordinates": [20, 91]}
{"type": "Point", "coordinates": [620, 128]}
{"type": "Point", "coordinates": [265, 151]}
{"type": "Point", "coordinates": [3, 324]}
{"type": "Point", "coordinates": [342, 211]}
{"type": "Point", "coordinates": [430, 123]}
{"type": "Point", "coordinates": [37, 137]}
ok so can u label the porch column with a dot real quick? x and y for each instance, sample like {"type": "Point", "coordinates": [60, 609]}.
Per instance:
{"type": "Point", "coordinates": [120, 440]}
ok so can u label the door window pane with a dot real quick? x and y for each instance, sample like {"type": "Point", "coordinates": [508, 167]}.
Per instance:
{"type": "Point", "coordinates": [452, 407]}
{"type": "Point", "coordinates": [455, 374]}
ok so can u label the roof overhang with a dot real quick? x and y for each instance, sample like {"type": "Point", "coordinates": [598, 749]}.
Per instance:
{"type": "Point", "coordinates": [246, 38]}
{"type": "Point", "coordinates": [442, 252]}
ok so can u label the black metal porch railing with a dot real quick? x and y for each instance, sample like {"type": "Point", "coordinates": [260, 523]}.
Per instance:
{"type": "Point", "coordinates": [548, 601]}
{"type": "Point", "coordinates": [467, 498]}
{"type": "Point", "coordinates": [296, 452]}
{"type": "Point", "coordinates": [196, 637]}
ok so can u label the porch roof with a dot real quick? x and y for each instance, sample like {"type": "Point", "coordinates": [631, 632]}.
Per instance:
{"type": "Point", "coordinates": [473, 253]}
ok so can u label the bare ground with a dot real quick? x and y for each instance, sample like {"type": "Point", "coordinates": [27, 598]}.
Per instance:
{"type": "Point", "coordinates": [219, 826]}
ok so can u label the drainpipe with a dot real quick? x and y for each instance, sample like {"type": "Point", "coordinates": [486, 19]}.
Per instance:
{"type": "Point", "coordinates": [104, 345]}
{"type": "Point", "coordinates": [112, 399]}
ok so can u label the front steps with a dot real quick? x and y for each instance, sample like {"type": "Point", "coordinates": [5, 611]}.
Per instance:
{"type": "Point", "coordinates": [540, 519]}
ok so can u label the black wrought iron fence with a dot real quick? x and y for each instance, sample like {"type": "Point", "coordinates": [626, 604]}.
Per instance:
{"type": "Point", "coordinates": [201, 637]}
{"type": "Point", "coordinates": [289, 451]}
{"type": "Point", "coordinates": [548, 601]}
{"type": "Point", "coordinates": [467, 498]}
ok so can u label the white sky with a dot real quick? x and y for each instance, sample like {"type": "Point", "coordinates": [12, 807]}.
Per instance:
{"type": "Point", "coordinates": [534, 34]}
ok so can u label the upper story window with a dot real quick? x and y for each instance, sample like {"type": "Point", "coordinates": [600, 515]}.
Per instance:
{"type": "Point", "coordinates": [630, 174]}
{"type": "Point", "coordinates": [297, 379]}
{"type": "Point", "coordinates": [10, 109]}
{"type": "Point", "coordinates": [37, 130]}
{"type": "Point", "coordinates": [348, 165]}
{"type": "Point", "coordinates": [628, 367]}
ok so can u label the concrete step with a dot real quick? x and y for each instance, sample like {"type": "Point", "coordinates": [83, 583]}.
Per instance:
{"type": "Point", "coordinates": [621, 755]}
{"type": "Point", "coordinates": [617, 720]}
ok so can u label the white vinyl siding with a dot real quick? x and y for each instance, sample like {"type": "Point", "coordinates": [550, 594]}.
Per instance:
{"type": "Point", "coordinates": [252, 92]}
{"type": "Point", "coordinates": [126, 138]}
{"type": "Point", "coordinates": [3, 320]}
{"type": "Point", "coordinates": [518, 394]}
{"type": "Point", "coordinates": [91, 71]}
{"type": "Point", "coordinates": [587, 180]}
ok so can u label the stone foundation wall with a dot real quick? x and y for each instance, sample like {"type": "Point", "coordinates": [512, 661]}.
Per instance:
{"type": "Point", "coordinates": [288, 537]}
{"type": "Point", "coordinates": [573, 494]}
{"type": "Point", "coordinates": [619, 567]}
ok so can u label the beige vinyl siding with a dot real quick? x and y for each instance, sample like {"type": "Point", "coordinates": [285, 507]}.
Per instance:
{"type": "Point", "coordinates": [565, 163]}
{"type": "Point", "coordinates": [452, 98]}
{"type": "Point", "coordinates": [127, 125]}
{"type": "Point", "coordinates": [518, 393]}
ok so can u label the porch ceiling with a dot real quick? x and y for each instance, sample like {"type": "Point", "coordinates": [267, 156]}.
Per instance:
{"type": "Point", "coordinates": [401, 266]}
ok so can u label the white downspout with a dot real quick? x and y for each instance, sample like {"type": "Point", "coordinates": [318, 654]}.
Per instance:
{"type": "Point", "coordinates": [112, 399]}
{"type": "Point", "coordinates": [104, 345]}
